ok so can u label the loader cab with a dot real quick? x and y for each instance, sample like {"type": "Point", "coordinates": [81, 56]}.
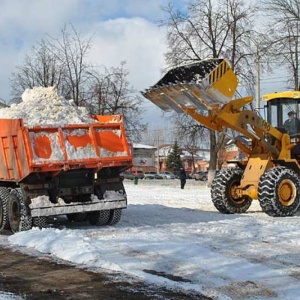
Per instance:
{"type": "Point", "coordinates": [278, 105]}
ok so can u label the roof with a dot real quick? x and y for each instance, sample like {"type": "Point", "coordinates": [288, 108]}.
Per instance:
{"type": "Point", "coordinates": [141, 146]}
{"type": "Point", "coordinates": [286, 94]}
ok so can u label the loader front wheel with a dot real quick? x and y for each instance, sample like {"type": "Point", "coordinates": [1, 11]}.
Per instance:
{"type": "Point", "coordinates": [279, 192]}
{"type": "Point", "coordinates": [223, 193]}
{"type": "Point", "coordinates": [4, 196]}
{"type": "Point", "coordinates": [18, 212]}
{"type": "Point", "coordinates": [101, 217]}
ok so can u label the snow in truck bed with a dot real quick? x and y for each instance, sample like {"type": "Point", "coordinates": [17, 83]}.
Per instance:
{"type": "Point", "coordinates": [43, 106]}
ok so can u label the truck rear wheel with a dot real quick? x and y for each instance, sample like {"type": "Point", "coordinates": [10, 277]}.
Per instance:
{"type": "Point", "coordinates": [4, 196]}
{"type": "Point", "coordinates": [40, 222]}
{"type": "Point", "coordinates": [101, 217]}
{"type": "Point", "coordinates": [77, 217]}
{"type": "Point", "coordinates": [115, 216]}
{"type": "Point", "coordinates": [223, 192]}
{"type": "Point", "coordinates": [18, 212]}
{"type": "Point", "coordinates": [279, 192]}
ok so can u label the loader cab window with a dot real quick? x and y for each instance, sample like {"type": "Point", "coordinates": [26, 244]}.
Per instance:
{"type": "Point", "coordinates": [278, 109]}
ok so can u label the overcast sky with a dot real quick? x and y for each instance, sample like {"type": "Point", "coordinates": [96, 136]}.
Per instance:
{"type": "Point", "coordinates": [123, 30]}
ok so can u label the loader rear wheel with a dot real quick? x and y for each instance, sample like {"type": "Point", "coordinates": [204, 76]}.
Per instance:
{"type": "Point", "coordinates": [101, 217]}
{"type": "Point", "coordinates": [4, 196]}
{"type": "Point", "coordinates": [115, 216]}
{"type": "Point", "coordinates": [18, 212]}
{"type": "Point", "coordinates": [279, 192]}
{"type": "Point", "coordinates": [223, 192]}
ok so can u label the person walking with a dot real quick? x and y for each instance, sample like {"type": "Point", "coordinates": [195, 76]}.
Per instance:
{"type": "Point", "coordinates": [182, 177]}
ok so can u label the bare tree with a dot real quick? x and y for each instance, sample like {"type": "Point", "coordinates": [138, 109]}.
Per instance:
{"type": "Point", "coordinates": [212, 30]}
{"type": "Point", "coordinates": [284, 35]}
{"type": "Point", "coordinates": [59, 61]}
{"type": "Point", "coordinates": [112, 94]}
{"type": "Point", "coordinates": [62, 62]}
{"type": "Point", "coordinates": [71, 49]}
{"type": "Point", "coordinates": [190, 134]}
{"type": "Point", "coordinates": [40, 68]}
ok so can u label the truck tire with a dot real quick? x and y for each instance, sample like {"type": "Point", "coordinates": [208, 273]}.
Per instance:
{"type": "Point", "coordinates": [77, 217]}
{"type": "Point", "coordinates": [4, 196]}
{"type": "Point", "coordinates": [40, 222]}
{"type": "Point", "coordinates": [279, 192]}
{"type": "Point", "coordinates": [222, 194]}
{"type": "Point", "coordinates": [115, 216]}
{"type": "Point", "coordinates": [18, 212]}
{"type": "Point", "coordinates": [99, 218]}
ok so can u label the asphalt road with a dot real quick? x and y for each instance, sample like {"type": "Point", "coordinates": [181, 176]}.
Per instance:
{"type": "Point", "coordinates": [41, 278]}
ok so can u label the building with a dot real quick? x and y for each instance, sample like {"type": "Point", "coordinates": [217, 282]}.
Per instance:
{"type": "Point", "coordinates": [143, 157]}
{"type": "Point", "coordinates": [146, 158]}
{"type": "Point", "coordinates": [190, 162]}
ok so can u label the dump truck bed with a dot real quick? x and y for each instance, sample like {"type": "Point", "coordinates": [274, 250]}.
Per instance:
{"type": "Point", "coordinates": [25, 150]}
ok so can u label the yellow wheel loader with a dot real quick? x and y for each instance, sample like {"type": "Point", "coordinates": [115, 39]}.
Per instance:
{"type": "Point", "coordinates": [204, 90]}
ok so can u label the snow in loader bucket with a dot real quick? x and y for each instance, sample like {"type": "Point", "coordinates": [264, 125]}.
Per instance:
{"type": "Point", "coordinates": [200, 85]}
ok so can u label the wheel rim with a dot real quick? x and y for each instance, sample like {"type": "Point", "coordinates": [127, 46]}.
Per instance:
{"type": "Point", "coordinates": [287, 192]}
{"type": "Point", "coordinates": [232, 192]}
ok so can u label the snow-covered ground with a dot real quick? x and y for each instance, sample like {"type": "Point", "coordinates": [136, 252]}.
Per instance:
{"type": "Point", "coordinates": [9, 296]}
{"type": "Point", "coordinates": [176, 238]}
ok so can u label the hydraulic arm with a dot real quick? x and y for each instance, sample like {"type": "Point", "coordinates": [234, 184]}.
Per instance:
{"type": "Point", "coordinates": [204, 91]}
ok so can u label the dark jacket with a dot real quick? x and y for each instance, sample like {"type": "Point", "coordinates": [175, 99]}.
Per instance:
{"type": "Point", "coordinates": [292, 126]}
{"type": "Point", "coordinates": [182, 174]}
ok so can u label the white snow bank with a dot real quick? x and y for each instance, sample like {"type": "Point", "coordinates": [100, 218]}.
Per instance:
{"type": "Point", "coordinates": [9, 296]}
{"type": "Point", "coordinates": [176, 238]}
{"type": "Point", "coordinates": [43, 106]}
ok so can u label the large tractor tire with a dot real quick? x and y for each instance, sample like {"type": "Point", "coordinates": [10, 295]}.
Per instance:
{"type": "Point", "coordinates": [18, 212]}
{"type": "Point", "coordinates": [4, 196]}
{"type": "Point", "coordinates": [222, 192]}
{"type": "Point", "coordinates": [279, 192]}
{"type": "Point", "coordinates": [115, 216]}
{"type": "Point", "coordinates": [101, 217]}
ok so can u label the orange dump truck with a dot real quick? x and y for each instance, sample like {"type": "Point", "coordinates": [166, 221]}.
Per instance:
{"type": "Point", "coordinates": [70, 170]}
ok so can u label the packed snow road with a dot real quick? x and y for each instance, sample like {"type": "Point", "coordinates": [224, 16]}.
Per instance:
{"type": "Point", "coordinates": [176, 239]}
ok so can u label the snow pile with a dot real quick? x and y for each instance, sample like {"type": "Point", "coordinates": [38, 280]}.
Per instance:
{"type": "Point", "coordinates": [9, 296]}
{"type": "Point", "coordinates": [176, 238]}
{"type": "Point", "coordinates": [43, 106]}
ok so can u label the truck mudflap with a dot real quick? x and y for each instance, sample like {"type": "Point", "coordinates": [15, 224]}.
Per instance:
{"type": "Point", "coordinates": [41, 206]}
{"type": "Point", "coordinates": [200, 85]}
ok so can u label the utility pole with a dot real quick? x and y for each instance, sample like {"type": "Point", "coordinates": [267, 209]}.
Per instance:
{"type": "Point", "coordinates": [157, 140]}
{"type": "Point", "coordinates": [157, 154]}
{"type": "Point", "coordinates": [257, 93]}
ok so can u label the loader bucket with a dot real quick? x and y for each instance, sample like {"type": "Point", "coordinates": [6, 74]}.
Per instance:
{"type": "Point", "coordinates": [200, 85]}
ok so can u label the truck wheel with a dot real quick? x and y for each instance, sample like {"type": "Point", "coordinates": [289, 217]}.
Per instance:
{"type": "Point", "coordinates": [77, 217]}
{"type": "Point", "coordinates": [18, 212]}
{"type": "Point", "coordinates": [222, 192]}
{"type": "Point", "coordinates": [279, 192]}
{"type": "Point", "coordinates": [4, 196]}
{"type": "Point", "coordinates": [115, 216]}
{"type": "Point", "coordinates": [99, 218]}
{"type": "Point", "coordinates": [40, 222]}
